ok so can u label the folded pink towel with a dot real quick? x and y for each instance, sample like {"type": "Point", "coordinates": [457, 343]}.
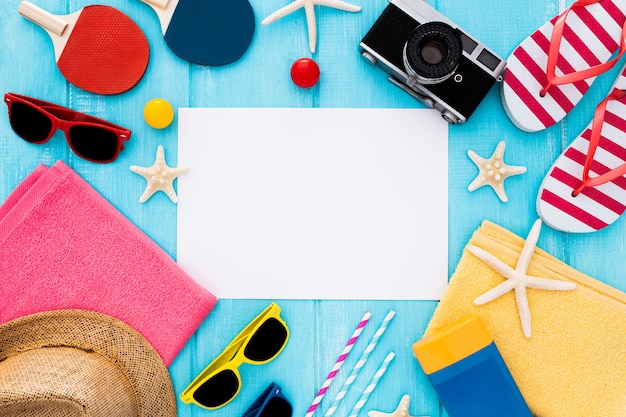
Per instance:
{"type": "Point", "coordinates": [64, 246]}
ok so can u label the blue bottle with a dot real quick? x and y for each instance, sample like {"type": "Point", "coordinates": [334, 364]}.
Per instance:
{"type": "Point", "coordinates": [468, 372]}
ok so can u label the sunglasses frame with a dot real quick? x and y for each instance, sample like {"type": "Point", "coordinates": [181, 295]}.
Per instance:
{"type": "Point", "coordinates": [272, 391]}
{"type": "Point", "coordinates": [233, 356]}
{"type": "Point", "coordinates": [63, 118]}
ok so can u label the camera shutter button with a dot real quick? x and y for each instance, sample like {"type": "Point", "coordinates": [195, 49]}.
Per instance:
{"type": "Point", "coordinates": [371, 59]}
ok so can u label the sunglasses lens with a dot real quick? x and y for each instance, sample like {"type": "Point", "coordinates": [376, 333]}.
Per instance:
{"type": "Point", "coordinates": [94, 143]}
{"type": "Point", "coordinates": [276, 407]}
{"type": "Point", "coordinates": [217, 390]}
{"type": "Point", "coordinates": [29, 123]}
{"type": "Point", "coordinates": [267, 341]}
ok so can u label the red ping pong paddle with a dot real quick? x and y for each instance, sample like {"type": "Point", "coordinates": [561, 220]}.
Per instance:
{"type": "Point", "coordinates": [206, 32]}
{"type": "Point", "coordinates": [98, 48]}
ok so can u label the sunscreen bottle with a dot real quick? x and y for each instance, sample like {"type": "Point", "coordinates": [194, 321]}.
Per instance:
{"type": "Point", "coordinates": [468, 372]}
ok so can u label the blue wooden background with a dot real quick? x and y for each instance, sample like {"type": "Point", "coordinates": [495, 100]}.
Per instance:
{"type": "Point", "coordinates": [261, 78]}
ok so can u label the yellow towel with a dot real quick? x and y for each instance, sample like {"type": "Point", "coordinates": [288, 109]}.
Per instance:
{"type": "Point", "coordinates": [574, 364]}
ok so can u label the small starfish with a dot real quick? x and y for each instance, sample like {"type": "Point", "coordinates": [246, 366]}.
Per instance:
{"type": "Point", "coordinates": [517, 280]}
{"type": "Point", "coordinates": [309, 9]}
{"type": "Point", "coordinates": [493, 171]}
{"type": "Point", "coordinates": [401, 411]}
{"type": "Point", "coordinates": [160, 177]}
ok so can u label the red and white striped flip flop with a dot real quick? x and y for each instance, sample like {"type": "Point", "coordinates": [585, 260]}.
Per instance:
{"type": "Point", "coordinates": [551, 70]}
{"type": "Point", "coordinates": [585, 190]}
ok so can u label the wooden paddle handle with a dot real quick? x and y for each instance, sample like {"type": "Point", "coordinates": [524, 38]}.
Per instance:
{"type": "Point", "coordinates": [161, 4]}
{"type": "Point", "coordinates": [41, 17]}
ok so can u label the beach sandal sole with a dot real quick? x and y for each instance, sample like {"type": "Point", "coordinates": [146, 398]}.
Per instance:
{"type": "Point", "coordinates": [591, 35]}
{"type": "Point", "coordinates": [595, 207]}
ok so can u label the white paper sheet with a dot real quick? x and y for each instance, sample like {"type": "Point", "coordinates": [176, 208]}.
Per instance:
{"type": "Point", "coordinates": [284, 203]}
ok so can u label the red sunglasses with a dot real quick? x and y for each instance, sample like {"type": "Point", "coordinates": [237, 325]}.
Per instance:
{"type": "Point", "coordinates": [91, 138]}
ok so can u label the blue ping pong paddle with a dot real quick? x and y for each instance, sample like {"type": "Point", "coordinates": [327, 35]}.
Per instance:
{"type": "Point", "coordinates": [206, 32]}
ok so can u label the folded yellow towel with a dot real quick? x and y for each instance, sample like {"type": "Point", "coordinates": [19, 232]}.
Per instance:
{"type": "Point", "coordinates": [574, 364]}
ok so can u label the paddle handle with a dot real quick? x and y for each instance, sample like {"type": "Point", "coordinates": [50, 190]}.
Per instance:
{"type": "Point", "coordinates": [42, 18]}
{"type": "Point", "coordinates": [161, 4]}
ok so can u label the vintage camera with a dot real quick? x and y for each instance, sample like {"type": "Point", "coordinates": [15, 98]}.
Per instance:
{"type": "Point", "coordinates": [431, 58]}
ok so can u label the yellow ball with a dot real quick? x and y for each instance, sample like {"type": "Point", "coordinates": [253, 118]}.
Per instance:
{"type": "Point", "coordinates": [158, 113]}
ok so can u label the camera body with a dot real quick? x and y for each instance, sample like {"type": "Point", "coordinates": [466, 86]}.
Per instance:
{"type": "Point", "coordinates": [431, 58]}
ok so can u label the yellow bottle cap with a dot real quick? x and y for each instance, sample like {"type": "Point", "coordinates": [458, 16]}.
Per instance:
{"type": "Point", "coordinates": [158, 113]}
{"type": "Point", "coordinates": [451, 344]}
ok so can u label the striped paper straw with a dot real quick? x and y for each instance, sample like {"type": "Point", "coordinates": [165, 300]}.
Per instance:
{"type": "Point", "coordinates": [360, 363]}
{"type": "Point", "coordinates": [370, 387]}
{"type": "Point", "coordinates": [340, 360]}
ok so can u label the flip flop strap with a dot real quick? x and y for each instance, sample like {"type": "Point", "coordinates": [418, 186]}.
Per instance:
{"type": "Point", "coordinates": [555, 45]}
{"type": "Point", "coordinates": [594, 140]}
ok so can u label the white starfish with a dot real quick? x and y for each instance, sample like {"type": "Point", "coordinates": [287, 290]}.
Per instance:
{"type": "Point", "coordinates": [309, 9]}
{"type": "Point", "coordinates": [160, 177]}
{"type": "Point", "coordinates": [493, 171]}
{"type": "Point", "coordinates": [517, 280]}
{"type": "Point", "coordinates": [401, 411]}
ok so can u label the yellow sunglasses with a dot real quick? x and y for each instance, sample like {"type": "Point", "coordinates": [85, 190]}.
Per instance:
{"type": "Point", "coordinates": [258, 343]}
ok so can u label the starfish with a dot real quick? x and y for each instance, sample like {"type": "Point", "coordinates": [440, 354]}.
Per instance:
{"type": "Point", "coordinates": [493, 171]}
{"type": "Point", "coordinates": [309, 9]}
{"type": "Point", "coordinates": [160, 177]}
{"type": "Point", "coordinates": [517, 279]}
{"type": "Point", "coordinates": [401, 411]}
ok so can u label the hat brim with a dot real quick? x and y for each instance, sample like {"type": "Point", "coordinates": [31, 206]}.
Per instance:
{"type": "Point", "coordinates": [121, 344]}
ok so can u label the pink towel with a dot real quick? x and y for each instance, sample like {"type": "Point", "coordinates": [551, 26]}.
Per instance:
{"type": "Point", "coordinates": [64, 246]}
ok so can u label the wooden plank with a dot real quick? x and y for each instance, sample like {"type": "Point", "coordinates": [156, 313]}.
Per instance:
{"type": "Point", "coordinates": [319, 328]}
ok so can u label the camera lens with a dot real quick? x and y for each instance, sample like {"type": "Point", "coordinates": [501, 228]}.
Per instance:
{"type": "Point", "coordinates": [432, 52]}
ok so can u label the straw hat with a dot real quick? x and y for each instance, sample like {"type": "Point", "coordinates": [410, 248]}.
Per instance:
{"type": "Point", "coordinates": [80, 363]}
